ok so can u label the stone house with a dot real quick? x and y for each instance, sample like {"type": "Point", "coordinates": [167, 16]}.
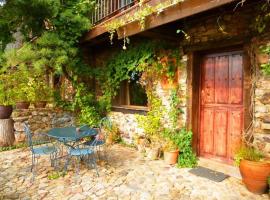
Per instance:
{"type": "Point", "coordinates": [224, 94]}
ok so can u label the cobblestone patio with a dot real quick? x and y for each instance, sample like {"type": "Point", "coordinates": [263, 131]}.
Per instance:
{"type": "Point", "coordinates": [127, 176]}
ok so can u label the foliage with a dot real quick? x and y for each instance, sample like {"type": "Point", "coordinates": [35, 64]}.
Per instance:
{"type": "Point", "coordinates": [85, 105]}
{"type": "Point", "coordinates": [23, 91]}
{"type": "Point", "coordinates": [175, 107]}
{"type": "Point", "coordinates": [17, 146]}
{"type": "Point", "coordinates": [183, 140]}
{"type": "Point", "coordinates": [40, 90]}
{"type": "Point", "coordinates": [170, 146]}
{"type": "Point", "coordinates": [113, 133]}
{"type": "Point", "coordinates": [51, 31]}
{"type": "Point", "coordinates": [263, 18]}
{"type": "Point", "coordinates": [266, 66]}
{"type": "Point", "coordinates": [151, 122]}
{"type": "Point", "coordinates": [55, 175]}
{"type": "Point", "coordinates": [247, 153]}
{"type": "Point", "coordinates": [7, 89]}
{"type": "Point", "coordinates": [139, 16]}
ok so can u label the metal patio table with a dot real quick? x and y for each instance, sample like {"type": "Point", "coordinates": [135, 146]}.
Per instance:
{"type": "Point", "coordinates": [71, 134]}
{"type": "Point", "coordinates": [70, 137]}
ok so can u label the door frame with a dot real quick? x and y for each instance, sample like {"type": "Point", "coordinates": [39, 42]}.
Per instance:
{"type": "Point", "coordinates": [194, 81]}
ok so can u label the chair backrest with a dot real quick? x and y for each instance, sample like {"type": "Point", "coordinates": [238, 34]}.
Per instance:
{"type": "Point", "coordinates": [29, 135]}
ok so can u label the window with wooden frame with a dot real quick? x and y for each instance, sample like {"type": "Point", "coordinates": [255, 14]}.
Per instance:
{"type": "Point", "coordinates": [131, 94]}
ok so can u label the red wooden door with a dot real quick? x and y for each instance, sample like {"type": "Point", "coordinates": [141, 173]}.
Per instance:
{"type": "Point", "coordinates": [221, 100]}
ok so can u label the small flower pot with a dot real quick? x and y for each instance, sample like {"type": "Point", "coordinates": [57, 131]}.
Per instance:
{"type": "Point", "coordinates": [5, 112]}
{"type": "Point", "coordinates": [171, 157]}
{"type": "Point", "coordinates": [40, 104]}
{"type": "Point", "coordinates": [254, 175]}
{"type": "Point", "coordinates": [22, 105]}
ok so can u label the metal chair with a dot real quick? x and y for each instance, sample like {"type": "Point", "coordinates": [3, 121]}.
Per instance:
{"type": "Point", "coordinates": [99, 142]}
{"type": "Point", "coordinates": [81, 152]}
{"type": "Point", "coordinates": [40, 145]}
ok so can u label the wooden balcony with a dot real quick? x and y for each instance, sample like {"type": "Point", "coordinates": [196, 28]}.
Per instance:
{"type": "Point", "coordinates": [106, 9]}
{"type": "Point", "coordinates": [109, 10]}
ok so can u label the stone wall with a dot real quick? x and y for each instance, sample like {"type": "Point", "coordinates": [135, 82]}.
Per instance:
{"type": "Point", "coordinates": [127, 123]}
{"type": "Point", "coordinates": [39, 120]}
{"type": "Point", "coordinates": [218, 30]}
{"type": "Point", "coordinates": [261, 101]}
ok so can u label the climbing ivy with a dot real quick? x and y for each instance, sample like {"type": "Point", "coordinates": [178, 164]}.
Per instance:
{"type": "Point", "coordinates": [139, 16]}
{"type": "Point", "coordinates": [266, 66]}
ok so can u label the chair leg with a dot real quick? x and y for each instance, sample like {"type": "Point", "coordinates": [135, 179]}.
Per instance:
{"type": "Point", "coordinates": [33, 162]}
{"type": "Point", "coordinates": [92, 161]}
{"type": "Point", "coordinates": [67, 163]}
{"type": "Point", "coordinates": [78, 160]}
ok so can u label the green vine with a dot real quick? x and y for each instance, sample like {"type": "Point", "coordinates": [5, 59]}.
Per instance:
{"type": "Point", "coordinates": [266, 66]}
{"type": "Point", "coordinates": [144, 10]}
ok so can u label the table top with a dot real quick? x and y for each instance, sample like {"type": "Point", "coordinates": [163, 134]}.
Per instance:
{"type": "Point", "coordinates": [70, 133]}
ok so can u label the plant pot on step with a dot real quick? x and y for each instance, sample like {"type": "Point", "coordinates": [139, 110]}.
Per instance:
{"type": "Point", "coordinates": [255, 174]}
{"type": "Point", "coordinates": [5, 112]}
{"type": "Point", "coordinates": [22, 105]}
{"type": "Point", "coordinates": [40, 104]}
{"type": "Point", "coordinates": [171, 157]}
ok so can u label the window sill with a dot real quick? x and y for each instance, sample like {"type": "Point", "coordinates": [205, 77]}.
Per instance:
{"type": "Point", "coordinates": [132, 108]}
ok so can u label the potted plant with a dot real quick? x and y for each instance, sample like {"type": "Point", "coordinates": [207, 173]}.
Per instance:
{"type": "Point", "coordinates": [254, 169]}
{"type": "Point", "coordinates": [23, 90]}
{"type": "Point", "coordinates": [171, 152]}
{"type": "Point", "coordinates": [6, 96]}
{"type": "Point", "coordinates": [42, 92]}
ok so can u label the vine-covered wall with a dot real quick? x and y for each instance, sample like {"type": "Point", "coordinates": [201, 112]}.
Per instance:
{"type": "Point", "coordinates": [212, 31]}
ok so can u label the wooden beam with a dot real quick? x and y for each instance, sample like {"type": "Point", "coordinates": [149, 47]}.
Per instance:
{"type": "Point", "coordinates": [179, 11]}
{"type": "Point", "coordinates": [157, 35]}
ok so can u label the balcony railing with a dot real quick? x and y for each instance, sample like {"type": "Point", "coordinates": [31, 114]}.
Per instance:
{"type": "Point", "coordinates": [107, 8]}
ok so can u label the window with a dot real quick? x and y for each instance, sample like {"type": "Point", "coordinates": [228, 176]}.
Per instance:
{"type": "Point", "coordinates": [131, 93]}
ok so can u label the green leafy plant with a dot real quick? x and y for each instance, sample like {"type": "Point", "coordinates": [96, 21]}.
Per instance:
{"type": "Point", "coordinates": [56, 175]}
{"type": "Point", "coordinates": [170, 146]}
{"type": "Point", "coordinates": [85, 105]}
{"type": "Point", "coordinates": [23, 91]}
{"type": "Point", "coordinates": [7, 89]}
{"type": "Point", "coordinates": [39, 90]}
{"type": "Point", "coordinates": [183, 140]}
{"type": "Point", "coordinates": [151, 122]}
{"type": "Point", "coordinates": [266, 66]}
{"type": "Point", "coordinates": [247, 153]}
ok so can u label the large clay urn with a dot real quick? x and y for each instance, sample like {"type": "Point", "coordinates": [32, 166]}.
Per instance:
{"type": "Point", "coordinates": [5, 112]}
{"type": "Point", "coordinates": [255, 175]}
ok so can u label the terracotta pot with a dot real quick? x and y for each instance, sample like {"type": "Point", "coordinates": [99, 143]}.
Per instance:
{"type": "Point", "coordinates": [171, 157]}
{"type": "Point", "coordinates": [22, 105]}
{"type": "Point", "coordinates": [254, 175]}
{"type": "Point", "coordinates": [5, 112]}
{"type": "Point", "coordinates": [40, 104]}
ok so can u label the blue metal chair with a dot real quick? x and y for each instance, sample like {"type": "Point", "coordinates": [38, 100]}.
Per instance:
{"type": "Point", "coordinates": [40, 145]}
{"type": "Point", "coordinates": [99, 142]}
{"type": "Point", "coordinates": [81, 152]}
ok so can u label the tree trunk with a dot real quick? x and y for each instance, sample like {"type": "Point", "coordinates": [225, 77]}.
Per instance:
{"type": "Point", "coordinates": [6, 132]}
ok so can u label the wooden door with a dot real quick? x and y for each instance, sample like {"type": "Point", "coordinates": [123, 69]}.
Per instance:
{"type": "Point", "coordinates": [221, 105]}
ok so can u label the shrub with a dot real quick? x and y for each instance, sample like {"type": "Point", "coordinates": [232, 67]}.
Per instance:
{"type": "Point", "coordinates": [247, 153]}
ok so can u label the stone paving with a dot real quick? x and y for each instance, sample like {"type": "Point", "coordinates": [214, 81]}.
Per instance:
{"type": "Point", "coordinates": [127, 176]}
